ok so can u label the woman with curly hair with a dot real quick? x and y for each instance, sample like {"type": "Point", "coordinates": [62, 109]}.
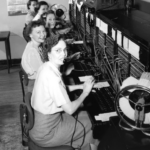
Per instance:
{"type": "Point", "coordinates": [55, 121]}
{"type": "Point", "coordinates": [53, 26]}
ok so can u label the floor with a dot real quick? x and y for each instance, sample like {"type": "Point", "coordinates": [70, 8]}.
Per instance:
{"type": "Point", "coordinates": [10, 99]}
{"type": "Point", "coordinates": [10, 96]}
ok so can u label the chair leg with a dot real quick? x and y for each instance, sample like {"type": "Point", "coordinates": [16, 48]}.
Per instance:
{"type": "Point", "coordinates": [23, 112]}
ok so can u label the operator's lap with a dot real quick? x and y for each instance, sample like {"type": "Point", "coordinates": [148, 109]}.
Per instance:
{"type": "Point", "coordinates": [46, 133]}
{"type": "Point", "coordinates": [74, 128]}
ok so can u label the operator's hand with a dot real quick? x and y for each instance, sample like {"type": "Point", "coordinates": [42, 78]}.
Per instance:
{"type": "Point", "coordinates": [76, 55]}
{"type": "Point", "coordinates": [69, 69]}
{"type": "Point", "coordinates": [69, 41]}
{"type": "Point", "coordinates": [67, 30]}
{"type": "Point", "coordinates": [88, 85]}
{"type": "Point", "coordinates": [64, 31]}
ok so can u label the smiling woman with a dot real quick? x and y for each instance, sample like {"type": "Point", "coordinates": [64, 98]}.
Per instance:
{"type": "Point", "coordinates": [41, 10]}
{"type": "Point", "coordinates": [32, 57]}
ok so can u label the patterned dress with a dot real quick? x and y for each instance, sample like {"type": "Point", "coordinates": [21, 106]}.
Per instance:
{"type": "Point", "coordinates": [31, 61]}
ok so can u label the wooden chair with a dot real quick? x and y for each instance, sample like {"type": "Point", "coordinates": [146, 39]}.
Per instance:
{"type": "Point", "coordinates": [27, 122]}
{"type": "Point", "coordinates": [23, 80]}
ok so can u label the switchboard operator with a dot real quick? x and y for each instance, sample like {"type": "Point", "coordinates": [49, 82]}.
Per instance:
{"type": "Point", "coordinates": [54, 124]}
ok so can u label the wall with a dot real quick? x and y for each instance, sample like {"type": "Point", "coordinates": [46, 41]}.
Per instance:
{"type": "Point", "coordinates": [143, 5]}
{"type": "Point", "coordinates": [15, 25]}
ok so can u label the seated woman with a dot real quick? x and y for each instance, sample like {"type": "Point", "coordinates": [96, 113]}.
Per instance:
{"type": "Point", "coordinates": [54, 124]}
{"type": "Point", "coordinates": [32, 57]}
{"type": "Point", "coordinates": [41, 10]}
{"type": "Point", "coordinates": [51, 25]}
{"type": "Point", "coordinates": [31, 5]}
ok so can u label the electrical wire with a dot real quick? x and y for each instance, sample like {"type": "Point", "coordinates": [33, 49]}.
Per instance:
{"type": "Point", "coordinates": [118, 71]}
{"type": "Point", "coordinates": [76, 120]}
{"type": "Point", "coordinates": [74, 129]}
{"type": "Point", "coordinates": [111, 69]}
{"type": "Point", "coordinates": [95, 69]}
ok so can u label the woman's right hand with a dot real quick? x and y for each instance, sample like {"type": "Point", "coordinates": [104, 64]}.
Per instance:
{"type": "Point", "coordinates": [88, 85]}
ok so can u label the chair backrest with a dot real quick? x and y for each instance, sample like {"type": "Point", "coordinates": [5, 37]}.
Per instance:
{"type": "Point", "coordinates": [23, 80]}
{"type": "Point", "coordinates": [30, 113]}
{"type": "Point", "coordinates": [21, 76]}
{"type": "Point", "coordinates": [26, 80]}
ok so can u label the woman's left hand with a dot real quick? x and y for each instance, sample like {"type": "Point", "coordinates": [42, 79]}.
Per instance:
{"type": "Point", "coordinates": [76, 56]}
{"type": "Point", "coordinates": [69, 41]}
{"type": "Point", "coordinates": [64, 31]}
{"type": "Point", "coordinates": [69, 69]}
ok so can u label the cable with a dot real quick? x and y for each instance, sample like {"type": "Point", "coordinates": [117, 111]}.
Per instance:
{"type": "Point", "coordinates": [94, 70]}
{"type": "Point", "coordinates": [74, 129]}
{"type": "Point", "coordinates": [116, 77]}
{"type": "Point", "coordinates": [109, 66]}
{"type": "Point", "coordinates": [88, 64]}
{"type": "Point", "coordinates": [83, 135]}
{"type": "Point", "coordinates": [95, 74]}
{"type": "Point", "coordinates": [118, 71]}
{"type": "Point", "coordinates": [76, 118]}
{"type": "Point", "coordinates": [113, 70]}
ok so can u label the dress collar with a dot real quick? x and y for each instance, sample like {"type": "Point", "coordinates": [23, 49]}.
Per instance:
{"type": "Point", "coordinates": [54, 69]}
{"type": "Point", "coordinates": [37, 17]}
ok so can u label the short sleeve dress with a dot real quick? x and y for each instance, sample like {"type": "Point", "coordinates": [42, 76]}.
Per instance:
{"type": "Point", "coordinates": [52, 126]}
{"type": "Point", "coordinates": [31, 61]}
